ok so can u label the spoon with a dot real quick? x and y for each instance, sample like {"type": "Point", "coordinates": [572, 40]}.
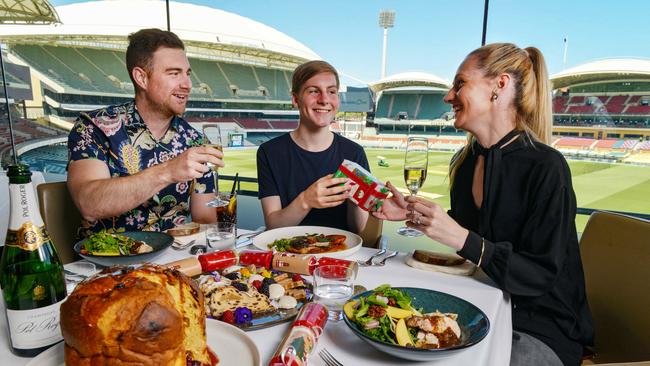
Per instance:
{"type": "Point", "coordinates": [383, 261]}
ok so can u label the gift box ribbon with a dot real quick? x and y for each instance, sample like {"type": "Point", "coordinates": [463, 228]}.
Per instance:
{"type": "Point", "coordinates": [359, 194]}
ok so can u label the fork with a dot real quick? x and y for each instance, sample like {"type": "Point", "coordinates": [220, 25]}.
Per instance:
{"type": "Point", "coordinates": [328, 358]}
{"type": "Point", "coordinates": [74, 274]}
{"type": "Point", "coordinates": [180, 246]}
{"type": "Point", "coordinates": [369, 261]}
{"type": "Point", "coordinates": [253, 233]}
{"type": "Point", "coordinates": [383, 261]}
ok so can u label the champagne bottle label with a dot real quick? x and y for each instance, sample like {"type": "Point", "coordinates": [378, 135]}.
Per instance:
{"type": "Point", "coordinates": [34, 328]}
{"type": "Point", "coordinates": [28, 237]}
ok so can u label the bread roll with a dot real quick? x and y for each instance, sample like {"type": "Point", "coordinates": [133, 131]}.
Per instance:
{"type": "Point", "coordinates": [185, 229]}
{"type": "Point", "coordinates": [146, 316]}
{"type": "Point", "coordinates": [439, 259]}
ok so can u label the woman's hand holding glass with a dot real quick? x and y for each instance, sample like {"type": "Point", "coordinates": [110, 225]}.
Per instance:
{"type": "Point", "coordinates": [433, 221]}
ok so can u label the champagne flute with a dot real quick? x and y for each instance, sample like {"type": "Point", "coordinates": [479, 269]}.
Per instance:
{"type": "Point", "coordinates": [416, 162]}
{"type": "Point", "coordinates": [212, 138]}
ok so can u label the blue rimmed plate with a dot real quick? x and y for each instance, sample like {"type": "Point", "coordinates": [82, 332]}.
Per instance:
{"type": "Point", "coordinates": [473, 322]}
{"type": "Point", "coordinates": [158, 241]}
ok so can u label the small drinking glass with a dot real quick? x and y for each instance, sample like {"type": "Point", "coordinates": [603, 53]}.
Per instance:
{"type": "Point", "coordinates": [220, 236]}
{"type": "Point", "coordinates": [212, 137]}
{"type": "Point", "coordinates": [333, 287]}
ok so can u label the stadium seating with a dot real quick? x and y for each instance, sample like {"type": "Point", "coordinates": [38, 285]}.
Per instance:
{"type": "Point", "coordinates": [634, 99]}
{"type": "Point", "coordinates": [276, 83]}
{"type": "Point", "coordinates": [25, 130]}
{"type": "Point", "coordinates": [645, 145]}
{"type": "Point", "coordinates": [432, 106]}
{"type": "Point", "coordinates": [242, 77]}
{"type": "Point", "coordinates": [577, 99]}
{"type": "Point", "coordinates": [638, 109]}
{"type": "Point", "coordinates": [604, 144]}
{"type": "Point", "coordinates": [253, 123]}
{"type": "Point", "coordinates": [403, 103]}
{"type": "Point", "coordinates": [210, 74]}
{"type": "Point", "coordinates": [284, 125]}
{"type": "Point", "coordinates": [574, 142]}
{"type": "Point", "coordinates": [52, 67]}
{"type": "Point", "coordinates": [420, 106]}
{"type": "Point", "coordinates": [624, 144]}
{"type": "Point", "coordinates": [616, 104]}
{"type": "Point", "coordinates": [104, 71]}
{"type": "Point", "coordinates": [559, 104]}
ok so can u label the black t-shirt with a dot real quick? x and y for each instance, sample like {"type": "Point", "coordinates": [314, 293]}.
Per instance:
{"type": "Point", "coordinates": [531, 248]}
{"type": "Point", "coordinates": [285, 169]}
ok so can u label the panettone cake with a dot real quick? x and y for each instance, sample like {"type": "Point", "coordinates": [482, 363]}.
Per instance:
{"type": "Point", "coordinates": [148, 315]}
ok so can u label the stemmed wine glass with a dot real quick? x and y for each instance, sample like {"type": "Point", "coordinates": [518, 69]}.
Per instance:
{"type": "Point", "coordinates": [212, 138]}
{"type": "Point", "coordinates": [416, 162]}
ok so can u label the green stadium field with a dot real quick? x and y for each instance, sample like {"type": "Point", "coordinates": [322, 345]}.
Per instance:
{"type": "Point", "coordinates": [597, 185]}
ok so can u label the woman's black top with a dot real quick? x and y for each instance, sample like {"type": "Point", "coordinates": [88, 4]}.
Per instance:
{"type": "Point", "coordinates": [527, 219]}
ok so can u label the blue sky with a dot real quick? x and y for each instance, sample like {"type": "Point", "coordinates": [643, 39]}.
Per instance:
{"type": "Point", "coordinates": [435, 35]}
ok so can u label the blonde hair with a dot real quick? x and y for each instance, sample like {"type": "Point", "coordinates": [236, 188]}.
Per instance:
{"type": "Point", "coordinates": [532, 101]}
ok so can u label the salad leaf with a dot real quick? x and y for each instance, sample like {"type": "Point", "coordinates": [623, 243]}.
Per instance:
{"type": "Point", "coordinates": [362, 310]}
{"type": "Point", "coordinates": [104, 243]}
{"type": "Point", "coordinates": [372, 299]}
{"type": "Point", "coordinates": [385, 331]}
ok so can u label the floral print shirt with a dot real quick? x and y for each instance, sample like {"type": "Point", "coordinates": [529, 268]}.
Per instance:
{"type": "Point", "coordinates": [118, 136]}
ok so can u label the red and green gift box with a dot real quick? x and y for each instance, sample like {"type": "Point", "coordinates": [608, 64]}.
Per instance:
{"type": "Point", "coordinates": [366, 191]}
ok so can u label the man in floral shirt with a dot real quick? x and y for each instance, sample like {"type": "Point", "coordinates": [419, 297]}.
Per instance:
{"type": "Point", "coordinates": [139, 165]}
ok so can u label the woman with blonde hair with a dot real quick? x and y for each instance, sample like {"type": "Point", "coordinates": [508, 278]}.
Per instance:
{"type": "Point", "coordinates": [512, 203]}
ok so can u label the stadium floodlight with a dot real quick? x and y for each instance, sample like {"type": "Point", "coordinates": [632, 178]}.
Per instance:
{"type": "Point", "coordinates": [386, 20]}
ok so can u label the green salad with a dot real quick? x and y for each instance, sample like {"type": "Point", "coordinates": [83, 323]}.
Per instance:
{"type": "Point", "coordinates": [103, 243]}
{"type": "Point", "coordinates": [377, 315]}
{"type": "Point", "coordinates": [387, 315]}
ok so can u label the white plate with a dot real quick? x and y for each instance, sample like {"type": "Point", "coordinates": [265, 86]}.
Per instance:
{"type": "Point", "coordinates": [232, 345]}
{"type": "Point", "coordinates": [353, 241]}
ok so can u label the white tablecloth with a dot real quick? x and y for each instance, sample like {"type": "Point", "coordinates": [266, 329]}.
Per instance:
{"type": "Point", "coordinates": [494, 350]}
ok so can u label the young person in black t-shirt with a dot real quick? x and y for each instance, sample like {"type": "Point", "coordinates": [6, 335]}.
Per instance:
{"type": "Point", "coordinates": [512, 203]}
{"type": "Point", "coordinates": [295, 170]}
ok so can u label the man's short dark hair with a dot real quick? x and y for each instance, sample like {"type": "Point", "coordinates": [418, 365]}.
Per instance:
{"type": "Point", "coordinates": [308, 70]}
{"type": "Point", "coordinates": [143, 44]}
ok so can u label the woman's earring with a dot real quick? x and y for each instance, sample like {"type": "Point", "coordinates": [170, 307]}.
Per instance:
{"type": "Point", "coordinates": [495, 96]}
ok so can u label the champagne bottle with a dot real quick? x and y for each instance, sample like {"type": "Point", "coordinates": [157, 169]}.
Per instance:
{"type": "Point", "coordinates": [31, 274]}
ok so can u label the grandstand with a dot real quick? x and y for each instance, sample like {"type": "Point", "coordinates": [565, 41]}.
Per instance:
{"type": "Point", "coordinates": [412, 102]}
{"type": "Point", "coordinates": [612, 92]}
{"type": "Point", "coordinates": [27, 133]}
{"type": "Point", "coordinates": [241, 68]}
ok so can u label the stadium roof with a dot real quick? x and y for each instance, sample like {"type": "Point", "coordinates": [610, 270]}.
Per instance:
{"type": "Point", "coordinates": [27, 12]}
{"type": "Point", "coordinates": [619, 69]}
{"type": "Point", "coordinates": [410, 79]}
{"type": "Point", "coordinates": [208, 33]}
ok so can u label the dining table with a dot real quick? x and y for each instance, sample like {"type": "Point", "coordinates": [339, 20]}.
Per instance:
{"type": "Point", "coordinates": [347, 347]}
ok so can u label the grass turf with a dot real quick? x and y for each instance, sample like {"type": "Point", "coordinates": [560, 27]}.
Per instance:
{"type": "Point", "coordinates": [597, 185]}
